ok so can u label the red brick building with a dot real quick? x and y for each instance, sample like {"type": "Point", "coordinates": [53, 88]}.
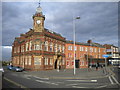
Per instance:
{"type": "Point", "coordinates": [85, 54]}
{"type": "Point", "coordinates": [39, 48]}
{"type": "Point", "coordinates": [43, 49]}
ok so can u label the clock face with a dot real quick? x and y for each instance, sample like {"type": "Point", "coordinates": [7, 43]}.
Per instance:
{"type": "Point", "coordinates": [38, 21]}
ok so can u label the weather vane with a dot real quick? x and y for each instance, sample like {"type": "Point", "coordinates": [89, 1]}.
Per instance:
{"type": "Point", "coordinates": [39, 3]}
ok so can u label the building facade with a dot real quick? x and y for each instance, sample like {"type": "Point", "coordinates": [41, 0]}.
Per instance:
{"type": "Point", "coordinates": [113, 51]}
{"type": "Point", "coordinates": [43, 49]}
{"type": "Point", "coordinates": [86, 54]}
{"type": "Point", "coordinates": [39, 48]}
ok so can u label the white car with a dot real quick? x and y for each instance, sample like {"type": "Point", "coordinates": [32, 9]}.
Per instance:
{"type": "Point", "coordinates": [2, 71]}
{"type": "Point", "coordinates": [119, 66]}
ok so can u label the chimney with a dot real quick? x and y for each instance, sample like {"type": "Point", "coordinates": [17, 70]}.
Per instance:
{"type": "Point", "coordinates": [89, 41]}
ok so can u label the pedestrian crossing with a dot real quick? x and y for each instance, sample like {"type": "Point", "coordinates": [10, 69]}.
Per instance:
{"type": "Point", "coordinates": [113, 80]}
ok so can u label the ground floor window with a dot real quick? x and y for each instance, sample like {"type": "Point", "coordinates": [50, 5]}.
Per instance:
{"type": "Point", "coordinates": [86, 63]}
{"type": "Point", "coordinates": [37, 61]}
{"type": "Point", "coordinates": [46, 61]}
{"type": "Point", "coordinates": [21, 60]}
{"type": "Point", "coordinates": [29, 61]}
{"type": "Point", "coordinates": [25, 60]}
{"type": "Point", "coordinates": [18, 60]}
{"type": "Point", "coordinates": [82, 63]}
{"type": "Point", "coordinates": [63, 61]}
{"type": "Point", "coordinates": [72, 62]}
{"type": "Point", "coordinates": [51, 61]}
{"type": "Point", "coordinates": [67, 63]}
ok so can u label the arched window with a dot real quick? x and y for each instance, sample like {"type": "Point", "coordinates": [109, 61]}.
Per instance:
{"type": "Point", "coordinates": [27, 46]}
{"type": "Point", "coordinates": [51, 47]}
{"type": "Point", "coordinates": [46, 46]}
{"type": "Point", "coordinates": [55, 47]}
{"type": "Point", "coordinates": [38, 45]}
{"type": "Point", "coordinates": [30, 46]}
{"type": "Point", "coordinates": [59, 48]}
{"type": "Point", "coordinates": [63, 49]}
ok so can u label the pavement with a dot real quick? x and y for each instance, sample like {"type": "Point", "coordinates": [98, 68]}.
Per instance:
{"type": "Point", "coordinates": [82, 73]}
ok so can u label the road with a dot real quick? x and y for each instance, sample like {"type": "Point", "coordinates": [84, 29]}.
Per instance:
{"type": "Point", "coordinates": [24, 80]}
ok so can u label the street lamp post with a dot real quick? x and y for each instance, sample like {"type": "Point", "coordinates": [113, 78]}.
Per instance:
{"type": "Point", "coordinates": [74, 39]}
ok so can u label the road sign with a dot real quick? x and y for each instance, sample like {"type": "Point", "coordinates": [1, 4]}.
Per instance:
{"type": "Point", "coordinates": [107, 55]}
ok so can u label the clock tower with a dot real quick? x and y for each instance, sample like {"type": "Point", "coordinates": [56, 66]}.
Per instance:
{"type": "Point", "coordinates": [38, 20]}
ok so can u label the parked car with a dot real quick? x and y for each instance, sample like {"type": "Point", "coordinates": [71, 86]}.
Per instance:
{"type": "Point", "coordinates": [2, 71]}
{"type": "Point", "coordinates": [10, 67]}
{"type": "Point", "coordinates": [17, 69]}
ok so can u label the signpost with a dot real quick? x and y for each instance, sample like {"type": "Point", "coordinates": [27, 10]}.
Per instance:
{"type": "Point", "coordinates": [106, 56]}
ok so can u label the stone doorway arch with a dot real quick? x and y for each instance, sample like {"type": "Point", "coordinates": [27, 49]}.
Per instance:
{"type": "Point", "coordinates": [57, 62]}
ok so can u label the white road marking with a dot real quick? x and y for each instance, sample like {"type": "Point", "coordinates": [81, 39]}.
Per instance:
{"type": "Point", "coordinates": [111, 80]}
{"type": "Point", "coordinates": [71, 84]}
{"type": "Point", "coordinates": [90, 87]}
{"type": "Point", "coordinates": [46, 82]}
{"type": "Point", "coordinates": [115, 80]}
{"type": "Point", "coordinates": [93, 80]}
{"type": "Point", "coordinates": [83, 80]}
{"type": "Point", "coordinates": [80, 87]}
{"type": "Point", "coordinates": [41, 78]}
{"type": "Point", "coordinates": [54, 83]}
{"type": "Point", "coordinates": [101, 86]}
{"type": "Point", "coordinates": [39, 81]}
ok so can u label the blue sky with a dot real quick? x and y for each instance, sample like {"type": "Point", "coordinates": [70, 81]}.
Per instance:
{"type": "Point", "coordinates": [99, 21]}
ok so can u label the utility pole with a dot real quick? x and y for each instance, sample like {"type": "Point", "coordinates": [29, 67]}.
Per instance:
{"type": "Point", "coordinates": [74, 40]}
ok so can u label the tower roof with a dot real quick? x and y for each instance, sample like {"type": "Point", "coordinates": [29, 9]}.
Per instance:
{"type": "Point", "coordinates": [39, 9]}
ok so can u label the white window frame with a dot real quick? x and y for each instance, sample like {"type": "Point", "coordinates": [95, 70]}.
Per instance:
{"type": "Point", "coordinates": [75, 48]}
{"type": "Point", "coordinates": [68, 63]}
{"type": "Point", "coordinates": [26, 59]}
{"type": "Point", "coordinates": [14, 49]}
{"type": "Point", "coordinates": [30, 45]}
{"type": "Point", "coordinates": [46, 61]}
{"type": "Point", "coordinates": [46, 45]}
{"type": "Point", "coordinates": [82, 48]}
{"type": "Point", "coordinates": [63, 49]}
{"type": "Point", "coordinates": [55, 47]}
{"type": "Point", "coordinates": [95, 50]}
{"type": "Point", "coordinates": [86, 49]}
{"type": "Point", "coordinates": [30, 58]}
{"type": "Point", "coordinates": [51, 61]}
{"type": "Point", "coordinates": [69, 47]}
{"type": "Point", "coordinates": [51, 47]}
{"type": "Point", "coordinates": [26, 46]}
{"type": "Point", "coordinates": [38, 60]}
{"type": "Point", "coordinates": [99, 50]}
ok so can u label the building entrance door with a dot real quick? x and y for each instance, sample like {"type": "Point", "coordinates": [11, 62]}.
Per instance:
{"type": "Point", "coordinates": [77, 63]}
{"type": "Point", "coordinates": [55, 64]}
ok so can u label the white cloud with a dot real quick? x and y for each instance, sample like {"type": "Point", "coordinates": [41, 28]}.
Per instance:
{"type": "Point", "coordinates": [7, 47]}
